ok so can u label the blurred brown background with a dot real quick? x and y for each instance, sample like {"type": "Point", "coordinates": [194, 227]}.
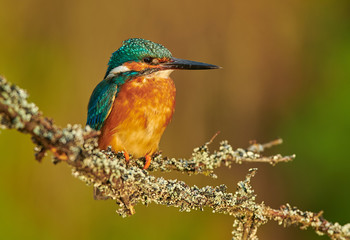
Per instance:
{"type": "Point", "coordinates": [286, 71]}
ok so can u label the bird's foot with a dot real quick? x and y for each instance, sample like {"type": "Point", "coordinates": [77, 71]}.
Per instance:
{"type": "Point", "coordinates": [126, 156]}
{"type": "Point", "coordinates": [58, 154]}
{"type": "Point", "coordinates": [148, 161]}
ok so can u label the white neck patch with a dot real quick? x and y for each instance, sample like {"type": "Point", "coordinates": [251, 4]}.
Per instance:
{"type": "Point", "coordinates": [117, 70]}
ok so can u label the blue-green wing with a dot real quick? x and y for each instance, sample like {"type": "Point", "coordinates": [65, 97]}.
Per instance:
{"type": "Point", "coordinates": [100, 103]}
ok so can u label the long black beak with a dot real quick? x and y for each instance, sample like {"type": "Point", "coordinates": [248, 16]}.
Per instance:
{"type": "Point", "coordinates": [176, 63]}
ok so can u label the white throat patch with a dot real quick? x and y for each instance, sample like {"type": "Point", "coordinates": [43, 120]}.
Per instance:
{"type": "Point", "coordinates": [161, 74]}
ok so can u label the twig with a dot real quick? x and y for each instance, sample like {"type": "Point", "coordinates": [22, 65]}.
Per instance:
{"type": "Point", "coordinates": [129, 184]}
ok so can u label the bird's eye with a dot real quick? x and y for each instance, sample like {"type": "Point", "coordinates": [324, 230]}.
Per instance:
{"type": "Point", "coordinates": [147, 59]}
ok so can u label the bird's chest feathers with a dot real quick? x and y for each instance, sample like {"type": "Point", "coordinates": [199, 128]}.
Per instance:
{"type": "Point", "coordinates": [147, 97]}
{"type": "Point", "coordinates": [142, 109]}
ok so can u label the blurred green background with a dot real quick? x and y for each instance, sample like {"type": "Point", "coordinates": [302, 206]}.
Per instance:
{"type": "Point", "coordinates": [286, 72]}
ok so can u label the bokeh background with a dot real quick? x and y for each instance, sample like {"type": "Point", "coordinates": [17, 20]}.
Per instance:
{"type": "Point", "coordinates": [286, 72]}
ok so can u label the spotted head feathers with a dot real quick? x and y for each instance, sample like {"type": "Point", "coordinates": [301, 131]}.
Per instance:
{"type": "Point", "coordinates": [136, 50]}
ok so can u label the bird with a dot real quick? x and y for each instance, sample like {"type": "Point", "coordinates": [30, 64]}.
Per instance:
{"type": "Point", "coordinates": [135, 101]}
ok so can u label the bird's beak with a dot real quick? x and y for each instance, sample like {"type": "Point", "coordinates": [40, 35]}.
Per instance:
{"type": "Point", "coordinates": [176, 63]}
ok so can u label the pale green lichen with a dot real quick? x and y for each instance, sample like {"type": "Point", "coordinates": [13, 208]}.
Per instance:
{"type": "Point", "coordinates": [204, 162]}
{"type": "Point", "coordinates": [151, 189]}
{"type": "Point", "coordinates": [14, 99]}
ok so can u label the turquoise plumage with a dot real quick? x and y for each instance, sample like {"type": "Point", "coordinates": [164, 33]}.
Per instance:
{"type": "Point", "coordinates": [100, 103]}
{"type": "Point", "coordinates": [135, 50]}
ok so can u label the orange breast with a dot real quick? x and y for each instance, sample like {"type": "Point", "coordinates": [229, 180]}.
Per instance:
{"type": "Point", "coordinates": [139, 116]}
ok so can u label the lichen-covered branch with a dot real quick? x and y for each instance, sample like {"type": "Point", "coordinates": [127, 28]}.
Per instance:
{"type": "Point", "coordinates": [128, 184]}
{"type": "Point", "coordinates": [288, 215]}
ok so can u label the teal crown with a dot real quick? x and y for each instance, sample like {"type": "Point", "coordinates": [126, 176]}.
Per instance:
{"type": "Point", "coordinates": [135, 49]}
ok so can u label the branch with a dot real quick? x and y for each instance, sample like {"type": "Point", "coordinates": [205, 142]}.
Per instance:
{"type": "Point", "coordinates": [129, 184]}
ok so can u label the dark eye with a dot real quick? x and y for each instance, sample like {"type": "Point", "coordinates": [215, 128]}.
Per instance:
{"type": "Point", "coordinates": [148, 59]}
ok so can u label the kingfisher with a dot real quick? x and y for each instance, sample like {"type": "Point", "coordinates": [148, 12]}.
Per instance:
{"type": "Point", "coordinates": [135, 101]}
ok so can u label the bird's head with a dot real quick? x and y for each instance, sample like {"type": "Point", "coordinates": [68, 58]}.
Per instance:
{"type": "Point", "coordinates": [142, 57]}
